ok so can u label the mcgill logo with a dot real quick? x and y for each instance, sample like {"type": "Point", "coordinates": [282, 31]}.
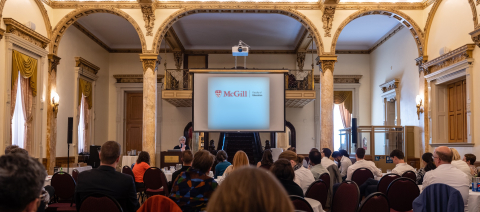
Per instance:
{"type": "Point", "coordinates": [218, 93]}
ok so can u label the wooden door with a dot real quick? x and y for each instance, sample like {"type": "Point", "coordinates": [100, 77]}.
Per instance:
{"type": "Point", "coordinates": [457, 116]}
{"type": "Point", "coordinates": [134, 121]}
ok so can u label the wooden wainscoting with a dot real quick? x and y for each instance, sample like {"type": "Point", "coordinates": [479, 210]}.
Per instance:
{"type": "Point", "coordinates": [63, 160]}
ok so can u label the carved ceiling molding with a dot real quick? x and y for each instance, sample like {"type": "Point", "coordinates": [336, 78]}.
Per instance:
{"type": "Point", "coordinates": [134, 78]}
{"type": "Point", "coordinates": [85, 65]}
{"type": "Point", "coordinates": [327, 19]}
{"type": "Point", "coordinates": [390, 85]}
{"type": "Point", "coordinates": [473, 6]}
{"type": "Point", "coordinates": [476, 36]}
{"type": "Point", "coordinates": [173, 40]}
{"type": "Point", "coordinates": [352, 52]}
{"type": "Point", "coordinates": [304, 42]}
{"type": "Point", "coordinates": [148, 11]}
{"type": "Point", "coordinates": [85, 10]}
{"type": "Point", "coordinates": [401, 17]}
{"type": "Point", "coordinates": [393, 5]}
{"type": "Point", "coordinates": [239, 8]}
{"type": "Point", "coordinates": [342, 78]}
{"type": "Point", "coordinates": [456, 56]}
{"type": "Point", "coordinates": [387, 36]}
{"type": "Point", "coordinates": [16, 28]}
{"type": "Point", "coordinates": [419, 62]}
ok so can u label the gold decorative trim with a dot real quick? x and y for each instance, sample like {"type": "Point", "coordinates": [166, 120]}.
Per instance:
{"type": "Point", "coordinates": [53, 61]}
{"type": "Point", "coordinates": [327, 62]}
{"type": "Point", "coordinates": [40, 5]}
{"type": "Point", "coordinates": [476, 36]}
{"type": "Point", "coordinates": [390, 85]}
{"type": "Point", "coordinates": [86, 65]}
{"type": "Point", "coordinates": [398, 15]}
{"type": "Point", "coordinates": [100, 42]}
{"type": "Point", "coordinates": [352, 52]}
{"type": "Point", "coordinates": [26, 33]}
{"type": "Point", "coordinates": [148, 11]}
{"type": "Point", "coordinates": [2, 31]}
{"type": "Point", "coordinates": [134, 78]}
{"type": "Point", "coordinates": [178, 98]}
{"type": "Point", "coordinates": [342, 78]}
{"type": "Point", "coordinates": [237, 71]}
{"type": "Point", "coordinates": [85, 10]}
{"type": "Point", "coordinates": [474, 12]}
{"type": "Point", "coordinates": [239, 8]}
{"type": "Point", "coordinates": [327, 19]}
{"type": "Point", "coordinates": [448, 59]}
{"type": "Point", "coordinates": [150, 61]}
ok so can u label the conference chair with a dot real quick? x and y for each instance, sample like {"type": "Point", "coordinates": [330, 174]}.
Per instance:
{"type": "Point", "coordinates": [385, 182]}
{"type": "Point", "coordinates": [127, 170]}
{"type": "Point", "coordinates": [346, 197]}
{"type": "Point", "coordinates": [326, 179]}
{"type": "Point", "coordinates": [377, 202]}
{"type": "Point", "coordinates": [64, 186]}
{"type": "Point", "coordinates": [361, 175]}
{"type": "Point", "coordinates": [159, 203]}
{"type": "Point", "coordinates": [299, 203]}
{"type": "Point", "coordinates": [155, 182]}
{"type": "Point", "coordinates": [401, 193]}
{"type": "Point", "coordinates": [99, 203]}
{"type": "Point", "coordinates": [141, 191]}
{"type": "Point", "coordinates": [410, 174]}
{"type": "Point", "coordinates": [318, 190]}
{"type": "Point", "coordinates": [75, 173]}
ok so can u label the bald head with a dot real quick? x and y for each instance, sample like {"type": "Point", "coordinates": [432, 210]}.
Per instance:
{"type": "Point", "coordinates": [442, 155]}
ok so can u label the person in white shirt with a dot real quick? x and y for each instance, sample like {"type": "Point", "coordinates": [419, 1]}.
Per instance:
{"type": "Point", "coordinates": [345, 162]}
{"type": "Point", "coordinates": [399, 161]}
{"type": "Point", "coordinates": [447, 174]}
{"type": "Point", "coordinates": [361, 163]}
{"type": "Point", "coordinates": [326, 162]}
{"type": "Point", "coordinates": [458, 163]}
{"type": "Point", "coordinates": [303, 177]}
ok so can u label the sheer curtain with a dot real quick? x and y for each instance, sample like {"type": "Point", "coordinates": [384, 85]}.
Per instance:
{"type": "Point", "coordinates": [344, 101]}
{"type": "Point", "coordinates": [18, 120]}
{"type": "Point", "coordinates": [81, 126]}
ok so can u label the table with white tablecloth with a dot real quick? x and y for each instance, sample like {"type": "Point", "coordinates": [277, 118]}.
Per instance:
{"type": "Point", "coordinates": [80, 169]}
{"type": "Point", "coordinates": [129, 160]}
{"type": "Point", "coordinates": [316, 205]}
{"type": "Point", "coordinates": [473, 200]}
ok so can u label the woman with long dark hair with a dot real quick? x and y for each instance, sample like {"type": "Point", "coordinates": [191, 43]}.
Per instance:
{"type": "Point", "coordinates": [267, 160]}
{"type": "Point", "coordinates": [143, 163]}
{"type": "Point", "coordinates": [428, 164]}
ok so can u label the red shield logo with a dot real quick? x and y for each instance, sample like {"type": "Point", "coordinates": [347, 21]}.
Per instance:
{"type": "Point", "coordinates": [218, 93]}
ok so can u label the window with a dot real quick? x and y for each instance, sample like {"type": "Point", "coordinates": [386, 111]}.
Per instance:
{"type": "Point", "coordinates": [18, 122]}
{"type": "Point", "coordinates": [337, 125]}
{"type": "Point", "coordinates": [81, 127]}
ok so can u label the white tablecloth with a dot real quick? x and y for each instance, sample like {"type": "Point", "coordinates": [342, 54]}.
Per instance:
{"type": "Point", "coordinates": [80, 169]}
{"type": "Point", "coordinates": [473, 200]}
{"type": "Point", "coordinates": [169, 176]}
{"type": "Point", "coordinates": [316, 205]}
{"type": "Point", "coordinates": [128, 160]}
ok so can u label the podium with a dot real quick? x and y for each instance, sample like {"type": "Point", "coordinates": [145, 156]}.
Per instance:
{"type": "Point", "coordinates": [168, 159]}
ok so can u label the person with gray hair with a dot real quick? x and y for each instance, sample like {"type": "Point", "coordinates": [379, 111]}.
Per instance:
{"type": "Point", "coordinates": [182, 146]}
{"type": "Point", "coordinates": [22, 179]}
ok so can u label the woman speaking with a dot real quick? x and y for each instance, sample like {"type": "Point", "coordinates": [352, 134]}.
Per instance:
{"type": "Point", "coordinates": [182, 146]}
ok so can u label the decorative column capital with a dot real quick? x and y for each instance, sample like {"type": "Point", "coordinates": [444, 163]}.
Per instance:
{"type": "Point", "coordinates": [53, 61]}
{"type": "Point", "coordinates": [2, 31]}
{"type": "Point", "coordinates": [151, 61]}
{"type": "Point", "coordinates": [419, 62]}
{"type": "Point", "coordinates": [476, 36]}
{"type": "Point", "coordinates": [327, 62]}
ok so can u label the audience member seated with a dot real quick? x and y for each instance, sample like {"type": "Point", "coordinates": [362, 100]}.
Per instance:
{"type": "Point", "coordinates": [332, 168]}
{"type": "Point", "coordinates": [447, 174]}
{"type": "Point", "coordinates": [193, 188]}
{"type": "Point", "coordinates": [15, 149]}
{"type": "Point", "coordinates": [303, 177]}
{"type": "Point", "coordinates": [240, 159]}
{"type": "Point", "coordinates": [267, 160]}
{"type": "Point", "coordinates": [361, 163]}
{"type": "Point", "coordinates": [470, 160]}
{"type": "Point", "coordinates": [326, 162]}
{"type": "Point", "coordinates": [428, 164]}
{"type": "Point", "coordinates": [182, 146]}
{"type": "Point", "coordinates": [316, 167]}
{"type": "Point", "coordinates": [282, 169]}
{"type": "Point", "coordinates": [239, 194]}
{"type": "Point", "coordinates": [22, 179]}
{"type": "Point", "coordinates": [222, 163]}
{"type": "Point", "coordinates": [105, 180]}
{"type": "Point", "coordinates": [336, 158]}
{"type": "Point", "coordinates": [459, 164]}
{"type": "Point", "coordinates": [187, 158]}
{"type": "Point", "coordinates": [143, 163]}
{"type": "Point", "coordinates": [399, 161]}
{"type": "Point", "coordinates": [345, 163]}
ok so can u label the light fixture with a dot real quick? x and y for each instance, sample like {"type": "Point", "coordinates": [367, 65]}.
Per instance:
{"type": "Point", "coordinates": [419, 106]}
{"type": "Point", "coordinates": [55, 101]}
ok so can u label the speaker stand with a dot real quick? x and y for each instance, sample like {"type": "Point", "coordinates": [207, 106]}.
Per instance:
{"type": "Point", "coordinates": [68, 157]}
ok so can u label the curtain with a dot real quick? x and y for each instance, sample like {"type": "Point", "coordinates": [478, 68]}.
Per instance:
{"type": "Point", "coordinates": [27, 66]}
{"type": "Point", "coordinates": [344, 99]}
{"type": "Point", "coordinates": [85, 89]}
{"type": "Point", "coordinates": [86, 121]}
{"type": "Point", "coordinates": [27, 106]}
{"type": "Point", "coordinates": [12, 106]}
{"type": "Point", "coordinates": [85, 103]}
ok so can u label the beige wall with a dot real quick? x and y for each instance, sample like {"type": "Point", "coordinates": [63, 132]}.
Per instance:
{"type": "Point", "coordinates": [75, 44]}
{"type": "Point", "coordinates": [24, 11]}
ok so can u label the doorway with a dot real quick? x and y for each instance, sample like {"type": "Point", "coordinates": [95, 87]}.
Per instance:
{"type": "Point", "coordinates": [134, 121]}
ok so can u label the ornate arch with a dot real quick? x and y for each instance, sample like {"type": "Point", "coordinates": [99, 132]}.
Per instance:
{"type": "Point", "coordinates": [42, 9]}
{"type": "Point", "coordinates": [288, 11]}
{"type": "Point", "coordinates": [86, 10]}
{"type": "Point", "coordinates": [428, 25]}
{"type": "Point", "coordinates": [474, 12]}
{"type": "Point", "coordinates": [399, 16]}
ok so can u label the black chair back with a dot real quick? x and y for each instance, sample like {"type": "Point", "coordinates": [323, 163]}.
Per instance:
{"type": "Point", "coordinates": [411, 175]}
{"type": "Point", "coordinates": [64, 186]}
{"type": "Point", "coordinates": [385, 182]}
{"type": "Point", "coordinates": [318, 190]}
{"type": "Point", "coordinates": [377, 202]}
{"type": "Point", "coordinates": [361, 175]}
{"type": "Point", "coordinates": [301, 204]}
{"type": "Point", "coordinates": [128, 170]}
{"type": "Point", "coordinates": [401, 193]}
{"type": "Point", "coordinates": [99, 203]}
{"type": "Point", "coordinates": [154, 179]}
{"type": "Point", "coordinates": [326, 179]}
{"type": "Point", "coordinates": [346, 197]}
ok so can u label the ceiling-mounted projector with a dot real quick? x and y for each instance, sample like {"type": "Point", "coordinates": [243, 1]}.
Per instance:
{"type": "Point", "coordinates": [241, 49]}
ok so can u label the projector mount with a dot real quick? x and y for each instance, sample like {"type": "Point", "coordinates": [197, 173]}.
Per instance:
{"type": "Point", "coordinates": [241, 49]}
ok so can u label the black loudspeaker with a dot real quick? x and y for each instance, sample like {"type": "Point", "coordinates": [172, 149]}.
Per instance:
{"type": "Point", "coordinates": [70, 130]}
{"type": "Point", "coordinates": [354, 131]}
{"type": "Point", "coordinates": [94, 158]}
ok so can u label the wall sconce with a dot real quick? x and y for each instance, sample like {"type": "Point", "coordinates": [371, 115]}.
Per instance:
{"type": "Point", "coordinates": [55, 100]}
{"type": "Point", "coordinates": [419, 106]}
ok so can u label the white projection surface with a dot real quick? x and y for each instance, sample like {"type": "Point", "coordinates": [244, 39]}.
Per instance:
{"type": "Point", "coordinates": [238, 102]}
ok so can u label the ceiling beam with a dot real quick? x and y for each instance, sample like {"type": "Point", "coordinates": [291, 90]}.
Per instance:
{"type": "Point", "coordinates": [173, 41]}
{"type": "Point", "coordinates": [304, 42]}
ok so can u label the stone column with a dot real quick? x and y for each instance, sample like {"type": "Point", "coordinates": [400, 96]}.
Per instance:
{"type": "Point", "coordinates": [51, 146]}
{"type": "Point", "coordinates": [327, 65]}
{"type": "Point", "coordinates": [150, 63]}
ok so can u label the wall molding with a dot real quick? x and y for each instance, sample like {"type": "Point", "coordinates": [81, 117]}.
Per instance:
{"type": "Point", "coordinates": [458, 55]}
{"type": "Point", "coordinates": [134, 78]}
{"type": "Point", "coordinates": [342, 79]}
{"type": "Point", "coordinates": [85, 65]}
{"type": "Point", "coordinates": [15, 27]}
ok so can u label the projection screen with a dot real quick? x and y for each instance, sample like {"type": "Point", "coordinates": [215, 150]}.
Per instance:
{"type": "Point", "coordinates": [236, 102]}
